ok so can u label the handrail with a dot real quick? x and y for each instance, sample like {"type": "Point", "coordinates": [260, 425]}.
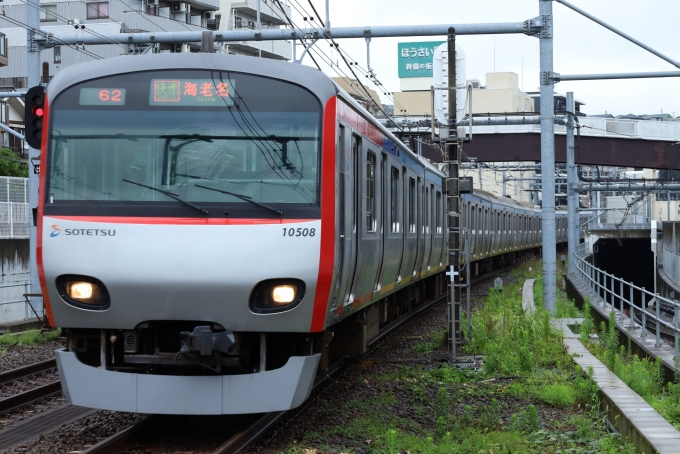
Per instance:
{"type": "Point", "coordinates": [609, 289]}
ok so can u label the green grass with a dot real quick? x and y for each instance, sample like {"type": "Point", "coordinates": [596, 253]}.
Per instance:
{"type": "Point", "coordinates": [30, 338]}
{"type": "Point", "coordinates": [642, 375]}
{"type": "Point", "coordinates": [508, 406]}
{"type": "Point", "coordinates": [435, 340]}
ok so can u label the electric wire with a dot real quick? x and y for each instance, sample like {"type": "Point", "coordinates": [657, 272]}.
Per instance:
{"type": "Point", "coordinates": [56, 39]}
{"type": "Point", "coordinates": [65, 19]}
{"type": "Point", "coordinates": [336, 45]}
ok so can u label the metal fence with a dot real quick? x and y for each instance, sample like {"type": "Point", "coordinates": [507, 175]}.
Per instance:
{"type": "Point", "coordinates": [643, 305]}
{"type": "Point", "coordinates": [15, 215]}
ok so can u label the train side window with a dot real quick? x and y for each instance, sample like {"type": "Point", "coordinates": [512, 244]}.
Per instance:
{"type": "Point", "coordinates": [370, 192]}
{"type": "Point", "coordinates": [439, 212]}
{"type": "Point", "coordinates": [411, 205]}
{"type": "Point", "coordinates": [394, 200]}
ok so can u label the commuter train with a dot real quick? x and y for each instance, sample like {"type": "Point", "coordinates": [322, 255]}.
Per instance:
{"type": "Point", "coordinates": [213, 230]}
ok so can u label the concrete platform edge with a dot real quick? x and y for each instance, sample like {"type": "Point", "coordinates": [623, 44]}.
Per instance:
{"type": "Point", "coordinates": [625, 409]}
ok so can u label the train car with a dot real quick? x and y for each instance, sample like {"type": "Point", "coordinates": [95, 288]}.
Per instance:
{"type": "Point", "coordinates": [205, 219]}
{"type": "Point", "coordinates": [213, 230]}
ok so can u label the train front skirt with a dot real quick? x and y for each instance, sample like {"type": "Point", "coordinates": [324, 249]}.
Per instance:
{"type": "Point", "coordinates": [273, 390]}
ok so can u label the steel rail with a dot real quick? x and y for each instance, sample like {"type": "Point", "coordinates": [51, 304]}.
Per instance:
{"type": "Point", "coordinates": [117, 442]}
{"type": "Point", "coordinates": [240, 441]}
{"type": "Point", "coordinates": [27, 370]}
{"type": "Point", "coordinates": [20, 399]}
{"type": "Point", "coordinates": [243, 439]}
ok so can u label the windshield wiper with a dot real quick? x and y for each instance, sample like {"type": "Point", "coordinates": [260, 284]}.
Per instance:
{"type": "Point", "coordinates": [172, 195]}
{"type": "Point", "coordinates": [243, 197]}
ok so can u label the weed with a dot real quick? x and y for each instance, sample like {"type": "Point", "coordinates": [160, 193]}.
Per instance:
{"type": "Point", "coordinates": [493, 418]}
{"type": "Point", "coordinates": [30, 338]}
{"type": "Point", "coordinates": [559, 395]}
{"type": "Point", "coordinates": [392, 441]}
{"type": "Point", "coordinates": [587, 326]}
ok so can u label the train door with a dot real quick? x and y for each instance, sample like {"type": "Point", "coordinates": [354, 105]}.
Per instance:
{"type": "Point", "coordinates": [384, 217]}
{"type": "Point", "coordinates": [369, 242]}
{"type": "Point", "coordinates": [420, 194]}
{"type": "Point", "coordinates": [344, 225]}
{"type": "Point", "coordinates": [426, 228]}
{"type": "Point", "coordinates": [439, 242]}
{"type": "Point", "coordinates": [393, 225]}
{"type": "Point", "coordinates": [352, 207]}
{"type": "Point", "coordinates": [410, 227]}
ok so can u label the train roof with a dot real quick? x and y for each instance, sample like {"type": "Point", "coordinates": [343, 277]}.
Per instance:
{"type": "Point", "coordinates": [311, 79]}
{"type": "Point", "coordinates": [368, 116]}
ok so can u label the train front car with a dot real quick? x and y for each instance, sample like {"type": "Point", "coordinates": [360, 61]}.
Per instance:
{"type": "Point", "coordinates": [184, 231]}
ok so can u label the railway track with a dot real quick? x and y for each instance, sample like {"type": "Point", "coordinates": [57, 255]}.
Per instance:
{"type": "Point", "coordinates": [25, 397]}
{"type": "Point", "coordinates": [241, 439]}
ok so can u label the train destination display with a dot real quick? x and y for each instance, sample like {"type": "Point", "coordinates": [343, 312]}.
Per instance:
{"type": "Point", "coordinates": [192, 92]}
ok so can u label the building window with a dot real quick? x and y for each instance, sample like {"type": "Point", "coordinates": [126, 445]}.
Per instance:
{"type": "Point", "coordinates": [370, 193]}
{"type": "Point", "coordinates": [99, 10]}
{"type": "Point", "coordinates": [57, 55]}
{"type": "Point", "coordinates": [48, 13]}
{"type": "Point", "coordinates": [394, 200]}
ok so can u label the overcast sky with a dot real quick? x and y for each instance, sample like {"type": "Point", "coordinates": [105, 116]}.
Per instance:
{"type": "Point", "coordinates": [581, 46]}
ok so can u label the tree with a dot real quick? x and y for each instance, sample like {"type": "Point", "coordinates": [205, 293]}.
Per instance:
{"type": "Point", "coordinates": [11, 165]}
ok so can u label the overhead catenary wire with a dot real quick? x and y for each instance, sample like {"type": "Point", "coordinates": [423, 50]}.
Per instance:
{"type": "Point", "coordinates": [65, 19]}
{"type": "Point", "coordinates": [336, 45]}
{"type": "Point", "coordinates": [56, 39]}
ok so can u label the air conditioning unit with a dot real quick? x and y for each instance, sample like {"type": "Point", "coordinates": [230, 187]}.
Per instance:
{"type": "Point", "coordinates": [179, 7]}
{"type": "Point", "coordinates": [209, 15]}
{"type": "Point", "coordinates": [153, 2]}
{"type": "Point", "coordinates": [251, 25]}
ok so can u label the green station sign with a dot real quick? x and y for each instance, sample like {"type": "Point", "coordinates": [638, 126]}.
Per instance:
{"type": "Point", "coordinates": [415, 59]}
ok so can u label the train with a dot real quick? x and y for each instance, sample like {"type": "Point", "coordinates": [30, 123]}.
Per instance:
{"type": "Point", "coordinates": [214, 230]}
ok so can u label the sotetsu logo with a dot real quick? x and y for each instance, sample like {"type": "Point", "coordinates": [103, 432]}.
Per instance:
{"type": "Point", "coordinates": [82, 232]}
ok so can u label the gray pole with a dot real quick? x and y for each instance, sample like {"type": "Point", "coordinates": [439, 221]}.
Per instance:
{"type": "Point", "coordinates": [668, 205]}
{"type": "Point", "coordinates": [572, 196]}
{"type": "Point", "coordinates": [452, 199]}
{"type": "Point", "coordinates": [649, 75]}
{"type": "Point", "coordinates": [548, 157]}
{"type": "Point", "coordinates": [504, 180]}
{"type": "Point", "coordinates": [272, 34]}
{"type": "Point", "coordinates": [33, 73]}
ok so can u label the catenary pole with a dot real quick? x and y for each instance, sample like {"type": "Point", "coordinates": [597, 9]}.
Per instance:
{"type": "Point", "coordinates": [527, 27]}
{"type": "Point", "coordinates": [33, 79]}
{"type": "Point", "coordinates": [647, 75]}
{"type": "Point", "coordinates": [548, 156]}
{"type": "Point", "coordinates": [572, 196]}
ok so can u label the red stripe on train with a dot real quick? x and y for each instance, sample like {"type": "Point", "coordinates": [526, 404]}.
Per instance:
{"type": "Point", "coordinates": [327, 252]}
{"type": "Point", "coordinates": [177, 221]}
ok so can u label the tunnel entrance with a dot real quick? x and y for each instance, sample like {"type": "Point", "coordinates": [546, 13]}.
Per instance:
{"type": "Point", "coordinates": [630, 259]}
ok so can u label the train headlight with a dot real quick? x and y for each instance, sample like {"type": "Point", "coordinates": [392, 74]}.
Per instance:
{"type": "Point", "coordinates": [276, 295]}
{"type": "Point", "coordinates": [79, 290]}
{"type": "Point", "coordinates": [83, 291]}
{"type": "Point", "coordinates": [284, 294]}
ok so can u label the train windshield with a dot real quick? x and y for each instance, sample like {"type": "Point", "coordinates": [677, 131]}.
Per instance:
{"type": "Point", "coordinates": [143, 144]}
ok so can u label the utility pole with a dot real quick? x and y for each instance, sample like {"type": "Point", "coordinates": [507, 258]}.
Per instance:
{"type": "Point", "coordinates": [452, 198]}
{"type": "Point", "coordinates": [572, 180]}
{"type": "Point", "coordinates": [33, 76]}
{"type": "Point", "coordinates": [548, 156]}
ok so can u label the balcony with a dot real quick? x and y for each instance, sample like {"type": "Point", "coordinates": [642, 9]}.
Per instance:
{"type": "Point", "coordinates": [269, 12]}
